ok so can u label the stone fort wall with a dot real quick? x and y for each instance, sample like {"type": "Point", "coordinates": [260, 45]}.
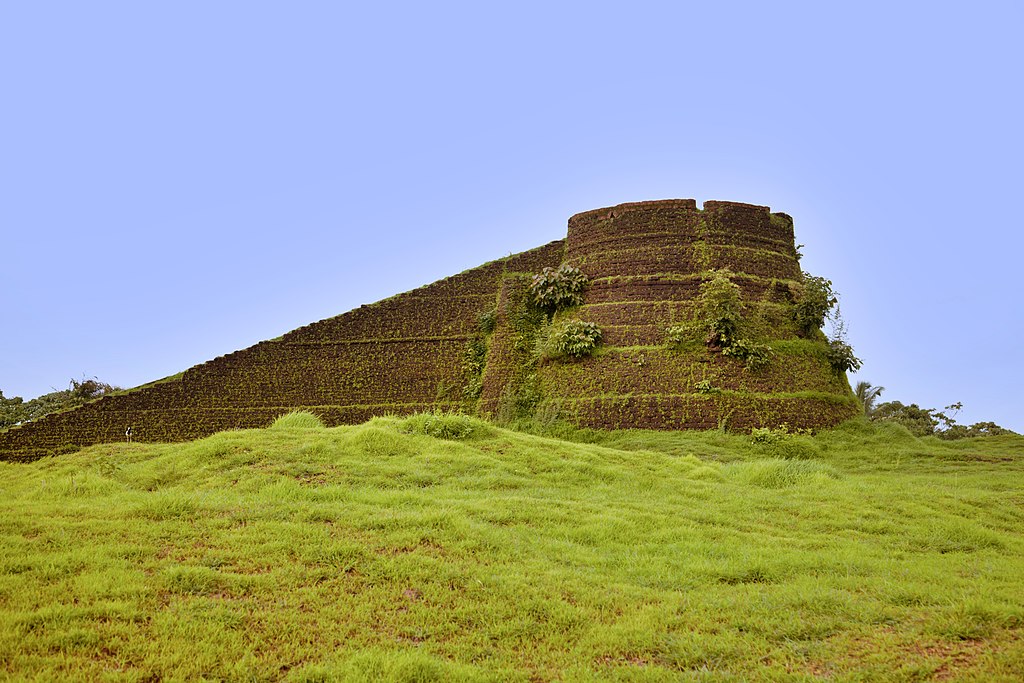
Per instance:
{"type": "Point", "coordinates": [400, 355]}
{"type": "Point", "coordinates": [404, 354]}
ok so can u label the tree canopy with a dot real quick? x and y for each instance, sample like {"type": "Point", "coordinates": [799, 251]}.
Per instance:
{"type": "Point", "coordinates": [16, 410]}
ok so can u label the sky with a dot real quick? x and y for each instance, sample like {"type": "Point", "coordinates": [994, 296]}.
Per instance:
{"type": "Point", "coordinates": [182, 180]}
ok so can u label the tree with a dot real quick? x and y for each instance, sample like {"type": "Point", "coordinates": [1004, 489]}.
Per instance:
{"type": "Point", "coordinates": [927, 421]}
{"type": "Point", "coordinates": [16, 410]}
{"type": "Point", "coordinates": [12, 411]}
{"type": "Point", "coordinates": [867, 395]}
{"type": "Point", "coordinates": [920, 421]}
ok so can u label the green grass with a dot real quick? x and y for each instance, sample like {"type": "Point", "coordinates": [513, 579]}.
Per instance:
{"type": "Point", "coordinates": [298, 419]}
{"type": "Point", "coordinates": [445, 548]}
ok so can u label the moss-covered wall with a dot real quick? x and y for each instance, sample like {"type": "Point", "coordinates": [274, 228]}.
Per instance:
{"type": "Point", "coordinates": [400, 355]}
{"type": "Point", "coordinates": [645, 261]}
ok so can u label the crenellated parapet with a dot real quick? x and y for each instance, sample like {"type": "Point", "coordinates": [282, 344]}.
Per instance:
{"type": "Point", "coordinates": [647, 262]}
{"type": "Point", "coordinates": [675, 238]}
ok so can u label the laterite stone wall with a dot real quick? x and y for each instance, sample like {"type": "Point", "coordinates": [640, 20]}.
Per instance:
{"type": "Point", "coordinates": [645, 261]}
{"type": "Point", "coordinates": [400, 355]}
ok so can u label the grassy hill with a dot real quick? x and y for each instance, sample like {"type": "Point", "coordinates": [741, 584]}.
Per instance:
{"type": "Point", "coordinates": [444, 548]}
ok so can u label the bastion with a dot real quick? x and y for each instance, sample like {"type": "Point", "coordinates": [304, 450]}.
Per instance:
{"type": "Point", "coordinates": [467, 343]}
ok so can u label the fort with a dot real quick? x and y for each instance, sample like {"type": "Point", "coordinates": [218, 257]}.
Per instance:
{"type": "Point", "coordinates": [467, 343]}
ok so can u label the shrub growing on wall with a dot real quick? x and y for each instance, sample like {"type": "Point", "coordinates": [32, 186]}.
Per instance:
{"type": "Point", "coordinates": [474, 358]}
{"type": "Point", "coordinates": [814, 303]}
{"type": "Point", "coordinates": [719, 309]}
{"type": "Point", "coordinates": [841, 358]}
{"type": "Point", "coordinates": [487, 321]}
{"type": "Point", "coordinates": [719, 318]}
{"type": "Point", "coordinates": [554, 289]}
{"type": "Point", "coordinates": [754, 356]}
{"type": "Point", "coordinates": [570, 338]}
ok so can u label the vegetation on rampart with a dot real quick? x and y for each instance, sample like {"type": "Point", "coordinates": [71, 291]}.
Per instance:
{"type": "Point", "coordinates": [16, 410]}
{"type": "Point", "coordinates": [554, 289]}
{"type": "Point", "coordinates": [572, 330]}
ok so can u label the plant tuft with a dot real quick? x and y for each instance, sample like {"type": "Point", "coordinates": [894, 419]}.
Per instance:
{"type": "Point", "coordinates": [719, 309]}
{"type": "Point", "coordinates": [704, 387]}
{"type": "Point", "coordinates": [298, 419]}
{"type": "Point", "coordinates": [487, 321]}
{"type": "Point", "coordinates": [815, 301]}
{"type": "Point", "coordinates": [555, 289]}
{"type": "Point", "coordinates": [754, 356]}
{"type": "Point", "coordinates": [570, 338]}
{"type": "Point", "coordinates": [841, 358]}
{"type": "Point", "coordinates": [449, 426]}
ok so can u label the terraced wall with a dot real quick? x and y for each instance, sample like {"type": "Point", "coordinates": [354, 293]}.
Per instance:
{"type": "Point", "coordinates": [646, 262]}
{"type": "Point", "coordinates": [399, 355]}
{"type": "Point", "coordinates": [428, 349]}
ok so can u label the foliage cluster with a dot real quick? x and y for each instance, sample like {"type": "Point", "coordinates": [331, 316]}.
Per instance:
{"type": "Point", "coordinates": [780, 433]}
{"type": "Point", "coordinates": [785, 442]}
{"type": "Point", "coordinates": [840, 356]}
{"type": "Point", "coordinates": [868, 396]}
{"type": "Point", "coordinates": [79, 392]}
{"type": "Point", "coordinates": [931, 422]}
{"type": "Point", "coordinates": [487, 321]}
{"type": "Point", "coordinates": [677, 336]}
{"type": "Point", "coordinates": [754, 356]}
{"type": "Point", "coordinates": [554, 289]}
{"type": "Point", "coordinates": [719, 323]}
{"type": "Point", "coordinates": [814, 303]}
{"type": "Point", "coordinates": [705, 387]}
{"type": "Point", "coordinates": [719, 309]}
{"type": "Point", "coordinates": [568, 339]}
{"type": "Point", "coordinates": [519, 401]}
{"type": "Point", "coordinates": [474, 359]}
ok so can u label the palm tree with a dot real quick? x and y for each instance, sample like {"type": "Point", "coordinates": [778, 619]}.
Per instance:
{"type": "Point", "coordinates": [867, 395]}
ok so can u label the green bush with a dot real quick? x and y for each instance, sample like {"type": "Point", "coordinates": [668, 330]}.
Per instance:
{"type": "Point", "coordinates": [519, 401]}
{"type": "Point", "coordinates": [754, 356]}
{"type": "Point", "coordinates": [704, 387]}
{"type": "Point", "coordinates": [815, 301]}
{"type": "Point", "coordinates": [718, 324]}
{"type": "Point", "coordinates": [767, 435]}
{"type": "Point", "coordinates": [928, 421]}
{"type": "Point", "coordinates": [298, 419]}
{"type": "Point", "coordinates": [678, 336]}
{"type": "Point", "coordinates": [719, 309]}
{"type": "Point", "coordinates": [841, 358]}
{"type": "Point", "coordinates": [554, 289]}
{"type": "Point", "coordinates": [474, 359]}
{"type": "Point", "coordinates": [570, 338]}
{"type": "Point", "coordinates": [976, 429]}
{"type": "Point", "coordinates": [487, 321]}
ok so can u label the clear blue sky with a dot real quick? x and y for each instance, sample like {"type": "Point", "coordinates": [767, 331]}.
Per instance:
{"type": "Point", "coordinates": [183, 179]}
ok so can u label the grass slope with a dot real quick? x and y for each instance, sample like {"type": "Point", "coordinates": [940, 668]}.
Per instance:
{"type": "Point", "coordinates": [382, 552]}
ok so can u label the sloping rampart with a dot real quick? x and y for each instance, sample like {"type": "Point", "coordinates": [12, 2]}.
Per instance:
{"type": "Point", "coordinates": [400, 355]}
{"type": "Point", "coordinates": [428, 349]}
